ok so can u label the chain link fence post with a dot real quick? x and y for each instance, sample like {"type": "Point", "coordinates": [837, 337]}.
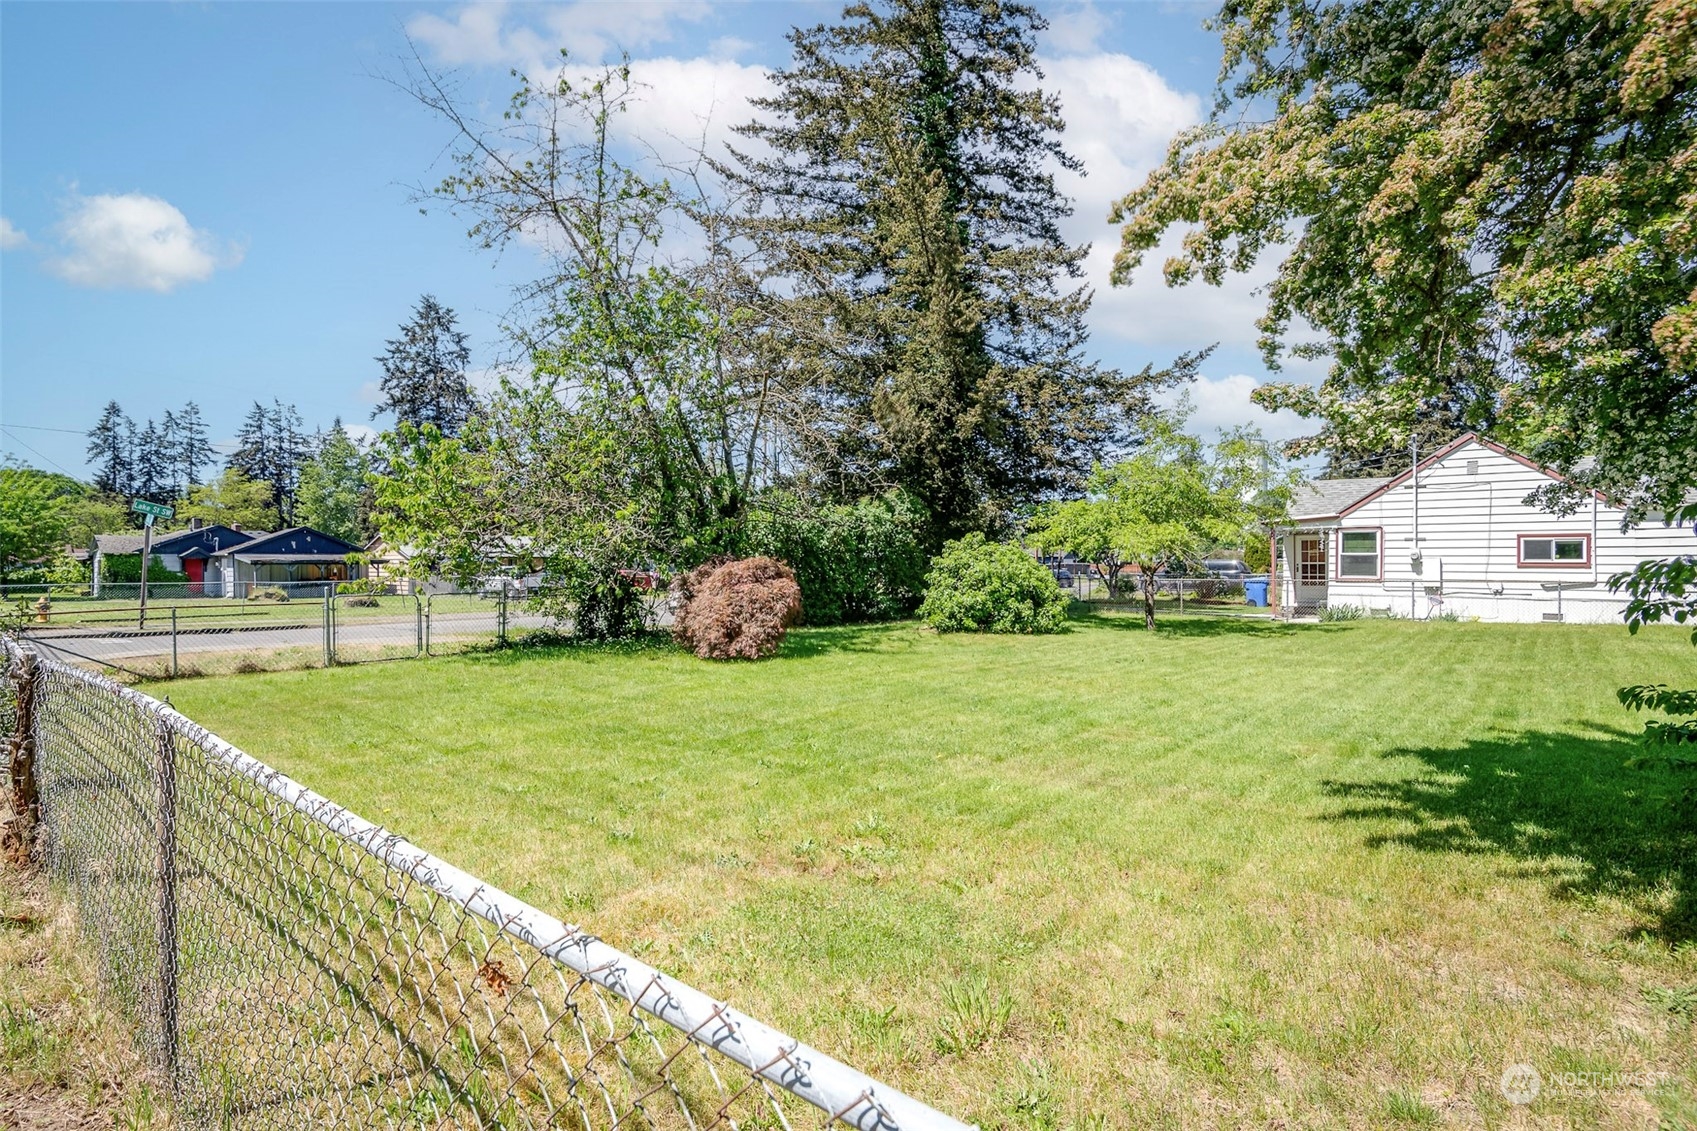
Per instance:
{"type": "Point", "coordinates": [173, 642]}
{"type": "Point", "coordinates": [329, 630]}
{"type": "Point", "coordinates": [501, 619]}
{"type": "Point", "coordinates": [165, 817]}
{"type": "Point", "coordinates": [418, 625]}
{"type": "Point", "coordinates": [25, 800]}
{"type": "Point", "coordinates": [427, 624]}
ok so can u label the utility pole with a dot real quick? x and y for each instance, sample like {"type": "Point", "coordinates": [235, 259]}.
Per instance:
{"type": "Point", "coordinates": [146, 558]}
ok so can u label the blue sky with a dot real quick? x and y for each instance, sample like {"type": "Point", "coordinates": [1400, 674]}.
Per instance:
{"type": "Point", "coordinates": [211, 202]}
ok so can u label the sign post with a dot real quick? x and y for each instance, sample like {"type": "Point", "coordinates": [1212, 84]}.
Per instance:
{"type": "Point", "coordinates": [151, 511]}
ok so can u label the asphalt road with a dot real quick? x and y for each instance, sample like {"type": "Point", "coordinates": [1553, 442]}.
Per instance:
{"type": "Point", "coordinates": [106, 645]}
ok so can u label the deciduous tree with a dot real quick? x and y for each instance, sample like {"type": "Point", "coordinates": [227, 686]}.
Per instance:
{"type": "Point", "coordinates": [331, 482]}
{"type": "Point", "coordinates": [1487, 208]}
{"type": "Point", "coordinates": [32, 523]}
{"type": "Point", "coordinates": [232, 499]}
{"type": "Point", "coordinates": [1165, 506]}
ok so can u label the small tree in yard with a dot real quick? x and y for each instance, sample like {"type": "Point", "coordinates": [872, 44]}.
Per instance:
{"type": "Point", "coordinates": [1164, 507]}
{"type": "Point", "coordinates": [736, 610]}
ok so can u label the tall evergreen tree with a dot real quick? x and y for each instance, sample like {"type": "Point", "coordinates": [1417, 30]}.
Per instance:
{"type": "Point", "coordinates": [193, 450]}
{"type": "Point", "coordinates": [910, 217]}
{"type": "Point", "coordinates": [424, 371]}
{"type": "Point", "coordinates": [109, 450]}
{"type": "Point", "coordinates": [253, 446]}
{"type": "Point", "coordinates": [152, 465]}
{"type": "Point", "coordinates": [269, 449]}
{"type": "Point", "coordinates": [170, 444]}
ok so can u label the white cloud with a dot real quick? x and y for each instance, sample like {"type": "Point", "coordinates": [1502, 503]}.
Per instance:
{"type": "Point", "coordinates": [1223, 402]}
{"type": "Point", "coordinates": [11, 237]}
{"type": "Point", "coordinates": [363, 435]}
{"type": "Point", "coordinates": [1075, 30]}
{"type": "Point", "coordinates": [134, 241]}
{"type": "Point", "coordinates": [591, 32]}
{"type": "Point", "coordinates": [729, 47]}
{"type": "Point", "coordinates": [1120, 115]}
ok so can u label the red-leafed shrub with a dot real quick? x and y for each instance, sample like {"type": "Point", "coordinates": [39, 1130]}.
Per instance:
{"type": "Point", "coordinates": [736, 610]}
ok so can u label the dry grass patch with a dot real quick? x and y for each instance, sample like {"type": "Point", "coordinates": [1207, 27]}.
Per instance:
{"type": "Point", "coordinates": [66, 1060]}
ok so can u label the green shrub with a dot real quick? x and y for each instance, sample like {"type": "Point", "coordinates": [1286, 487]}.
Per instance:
{"type": "Point", "coordinates": [855, 562]}
{"type": "Point", "coordinates": [361, 586]}
{"type": "Point", "coordinates": [980, 586]}
{"type": "Point", "coordinates": [123, 568]}
{"type": "Point", "coordinates": [1342, 612]}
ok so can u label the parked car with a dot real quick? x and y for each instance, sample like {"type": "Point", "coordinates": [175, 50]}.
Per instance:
{"type": "Point", "coordinates": [641, 578]}
{"type": "Point", "coordinates": [1229, 568]}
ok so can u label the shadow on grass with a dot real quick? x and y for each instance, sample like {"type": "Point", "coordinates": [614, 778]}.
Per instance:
{"type": "Point", "coordinates": [1565, 806]}
{"type": "Point", "coordinates": [1169, 622]}
{"type": "Point", "coordinates": [803, 643]}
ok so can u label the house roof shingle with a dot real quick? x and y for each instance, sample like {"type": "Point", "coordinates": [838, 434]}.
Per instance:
{"type": "Point", "coordinates": [130, 543]}
{"type": "Point", "coordinates": [1326, 498]}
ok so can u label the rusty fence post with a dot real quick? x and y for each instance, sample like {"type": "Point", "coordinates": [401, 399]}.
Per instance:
{"type": "Point", "coordinates": [18, 841]}
{"type": "Point", "coordinates": [165, 797]}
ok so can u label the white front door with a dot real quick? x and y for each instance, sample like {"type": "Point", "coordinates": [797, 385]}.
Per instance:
{"type": "Point", "coordinates": [1310, 571]}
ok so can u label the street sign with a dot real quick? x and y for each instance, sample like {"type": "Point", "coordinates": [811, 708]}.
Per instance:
{"type": "Point", "coordinates": [155, 510]}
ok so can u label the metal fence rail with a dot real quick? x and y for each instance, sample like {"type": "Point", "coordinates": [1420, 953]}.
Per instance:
{"type": "Point", "coordinates": [214, 637]}
{"type": "Point", "coordinates": [289, 964]}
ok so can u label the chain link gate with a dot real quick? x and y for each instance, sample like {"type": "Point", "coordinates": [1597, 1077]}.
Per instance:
{"type": "Point", "coordinates": [289, 964]}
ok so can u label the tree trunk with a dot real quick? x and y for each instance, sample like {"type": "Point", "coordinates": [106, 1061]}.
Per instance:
{"type": "Point", "coordinates": [1148, 580]}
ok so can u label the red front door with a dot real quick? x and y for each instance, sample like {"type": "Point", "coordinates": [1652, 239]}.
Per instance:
{"type": "Point", "coordinates": [196, 570]}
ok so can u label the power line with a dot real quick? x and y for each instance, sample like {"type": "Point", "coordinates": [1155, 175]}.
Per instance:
{"type": "Point", "coordinates": [44, 428]}
{"type": "Point", "coordinates": [7, 428]}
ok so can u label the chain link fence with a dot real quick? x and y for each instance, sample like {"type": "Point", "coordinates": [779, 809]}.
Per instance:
{"type": "Point", "coordinates": [288, 964]}
{"type": "Point", "coordinates": [180, 637]}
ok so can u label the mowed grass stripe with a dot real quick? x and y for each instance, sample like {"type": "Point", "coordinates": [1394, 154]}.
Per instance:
{"type": "Point", "coordinates": [1228, 873]}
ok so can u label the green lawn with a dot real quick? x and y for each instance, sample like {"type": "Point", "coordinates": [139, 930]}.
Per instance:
{"type": "Point", "coordinates": [1230, 874]}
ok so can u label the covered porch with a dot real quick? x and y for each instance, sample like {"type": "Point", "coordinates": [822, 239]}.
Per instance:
{"type": "Point", "coordinates": [1301, 568]}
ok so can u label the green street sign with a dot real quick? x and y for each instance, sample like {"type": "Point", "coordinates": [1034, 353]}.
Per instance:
{"type": "Point", "coordinates": [157, 510]}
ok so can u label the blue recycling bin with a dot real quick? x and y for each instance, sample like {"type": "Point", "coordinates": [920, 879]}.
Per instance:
{"type": "Point", "coordinates": [1255, 591]}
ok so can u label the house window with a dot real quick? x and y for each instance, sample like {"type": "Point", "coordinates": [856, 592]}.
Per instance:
{"type": "Point", "coordinates": [1555, 549]}
{"type": "Point", "coordinates": [1358, 553]}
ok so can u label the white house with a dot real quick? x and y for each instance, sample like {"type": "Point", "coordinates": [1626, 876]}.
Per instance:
{"type": "Point", "coordinates": [1456, 536]}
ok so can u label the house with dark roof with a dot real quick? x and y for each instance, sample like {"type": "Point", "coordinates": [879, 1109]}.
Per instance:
{"type": "Point", "coordinates": [1455, 534]}
{"type": "Point", "coordinates": [180, 551]}
{"type": "Point", "coordinates": [295, 558]}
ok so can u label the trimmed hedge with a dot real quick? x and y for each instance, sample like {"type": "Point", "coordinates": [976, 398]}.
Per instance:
{"type": "Point", "coordinates": [855, 562]}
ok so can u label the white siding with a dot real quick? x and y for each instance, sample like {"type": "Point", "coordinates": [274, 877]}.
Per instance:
{"type": "Point", "coordinates": [1469, 527]}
